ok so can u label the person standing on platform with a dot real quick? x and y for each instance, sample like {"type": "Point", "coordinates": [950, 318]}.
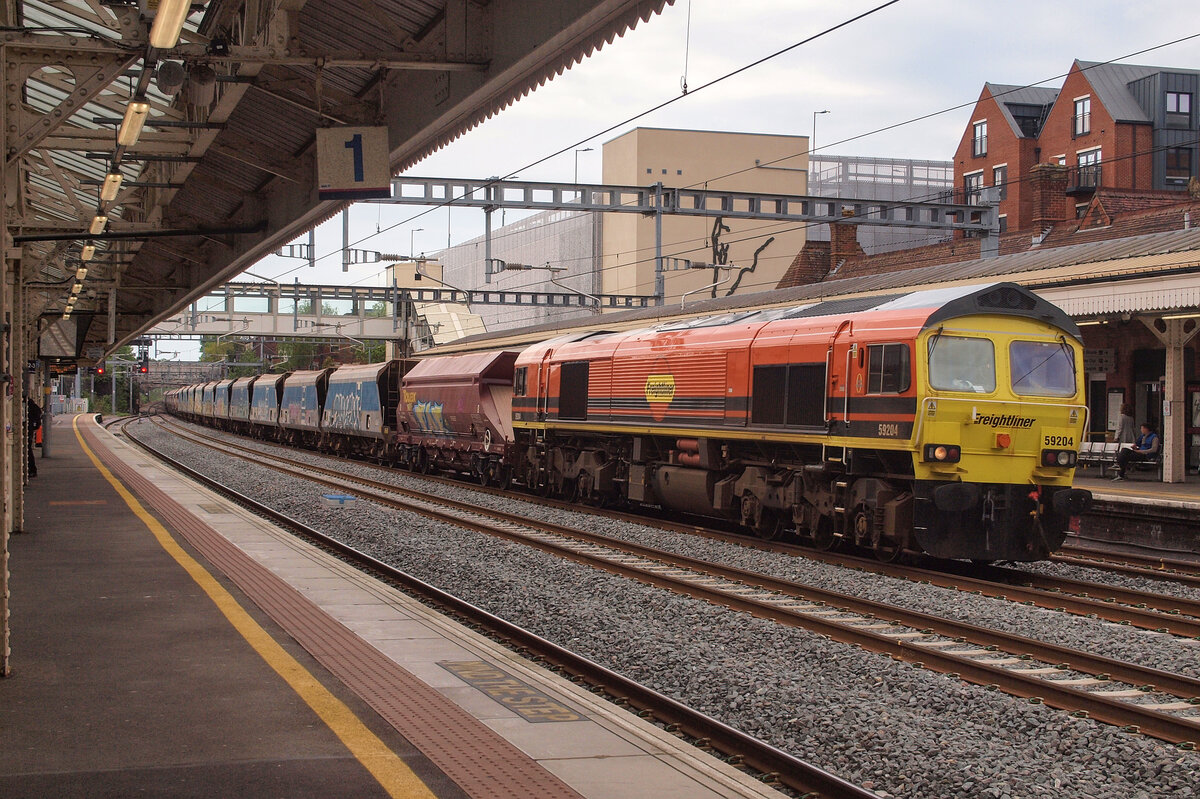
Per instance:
{"type": "Point", "coordinates": [1125, 434]}
{"type": "Point", "coordinates": [1147, 447]}
{"type": "Point", "coordinates": [33, 418]}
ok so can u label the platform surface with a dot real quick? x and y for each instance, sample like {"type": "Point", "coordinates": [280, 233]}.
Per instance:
{"type": "Point", "coordinates": [129, 677]}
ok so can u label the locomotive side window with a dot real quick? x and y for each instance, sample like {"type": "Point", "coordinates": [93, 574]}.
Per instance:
{"type": "Point", "coordinates": [1042, 368]}
{"type": "Point", "coordinates": [957, 363]}
{"type": "Point", "coordinates": [889, 369]}
{"type": "Point", "coordinates": [573, 391]}
{"type": "Point", "coordinates": [519, 382]}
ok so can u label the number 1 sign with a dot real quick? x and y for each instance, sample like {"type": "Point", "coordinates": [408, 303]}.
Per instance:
{"type": "Point", "coordinates": [352, 163]}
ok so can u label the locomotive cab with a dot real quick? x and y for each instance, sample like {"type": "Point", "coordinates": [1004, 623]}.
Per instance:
{"type": "Point", "coordinates": [1000, 418]}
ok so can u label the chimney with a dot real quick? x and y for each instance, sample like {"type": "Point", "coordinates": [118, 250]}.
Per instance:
{"type": "Point", "coordinates": [1048, 187]}
{"type": "Point", "coordinates": [843, 240]}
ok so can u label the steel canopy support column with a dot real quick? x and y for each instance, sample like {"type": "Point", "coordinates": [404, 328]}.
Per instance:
{"type": "Point", "coordinates": [660, 289]}
{"type": "Point", "coordinates": [1174, 335]}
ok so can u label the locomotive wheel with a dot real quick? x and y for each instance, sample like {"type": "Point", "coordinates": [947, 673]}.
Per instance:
{"type": "Point", "coordinates": [771, 525]}
{"type": "Point", "coordinates": [823, 537]}
{"type": "Point", "coordinates": [583, 490]}
{"type": "Point", "coordinates": [885, 549]}
{"type": "Point", "coordinates": [504, 477]}
{"type": "Point", "coordinates": [861, 526]}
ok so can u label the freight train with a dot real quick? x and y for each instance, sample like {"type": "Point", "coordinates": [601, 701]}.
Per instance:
{"type": "Point", "coordinates": [938, 421]}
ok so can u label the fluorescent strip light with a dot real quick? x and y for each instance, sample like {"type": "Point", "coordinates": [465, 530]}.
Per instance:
{"type": "Point", "coordinates": [1182, 316]}
{"type": "Point", "coordinates": [168, 23]}
{"type": "Point", "coordinates": [112, 184]}
{"type": "Point", "coordinates": [76, 288]}
{"type": "Point", "coordinates": [98, 223]}
{"type": "Point", "coordinates": [81, 273]}
{"type": "Point", "coordinates": [88, 251]}
{"type": "Point", "coordinates": [131, 126]}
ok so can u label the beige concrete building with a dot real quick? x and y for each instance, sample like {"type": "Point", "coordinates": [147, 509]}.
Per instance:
{"type": "Point", "coordinates": [692, 158]}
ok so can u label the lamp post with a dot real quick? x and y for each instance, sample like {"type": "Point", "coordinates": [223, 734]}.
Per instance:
{"type": "Point", "coordinates": [577, 152]}
{"type": "Point", "coordinates": [812, 141]}
{"type": "Point", "coordinates": [412, 252]}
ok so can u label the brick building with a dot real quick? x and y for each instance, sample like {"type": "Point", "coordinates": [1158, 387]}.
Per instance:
{"type": "Point", "coordinates": [1117, 126]}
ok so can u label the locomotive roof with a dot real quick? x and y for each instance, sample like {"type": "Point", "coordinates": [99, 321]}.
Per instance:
{"type": "Point", "coordinates": [1093, 261]}
{"type": "Point", "coordinates": [944, 303]}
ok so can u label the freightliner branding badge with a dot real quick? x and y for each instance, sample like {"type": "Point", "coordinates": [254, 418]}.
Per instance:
{"type": "Point", "coordinates": [660, 388]}
{"type": "Point", "coordinates": [1003, 420]}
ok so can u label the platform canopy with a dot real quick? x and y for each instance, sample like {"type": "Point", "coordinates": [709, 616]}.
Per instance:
{"type": "Point", "coordinates": [225, 169]}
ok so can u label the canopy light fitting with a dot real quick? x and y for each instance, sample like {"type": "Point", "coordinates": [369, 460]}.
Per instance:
{"type": "Point", "coordinates": [112, 184]}
{"type": "Point", "coordinates": [131, 126]}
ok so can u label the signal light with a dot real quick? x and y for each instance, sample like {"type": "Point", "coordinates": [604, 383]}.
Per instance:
{"type": "Point", "coordinates": [143, 369]}
{"type": "Point", "coordinates": [99, 368]}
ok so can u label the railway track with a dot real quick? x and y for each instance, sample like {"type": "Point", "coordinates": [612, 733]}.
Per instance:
{"type": "Point", "coordinates": [1151, 567]}
{"type": "Point", "coordinates": [1146, 610]}
{"type": "Point", "coordinates": [738, 748]}
{"type": "Point", "coordinates": [1156, 703]}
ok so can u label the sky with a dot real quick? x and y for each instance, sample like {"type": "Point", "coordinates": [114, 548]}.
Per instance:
{"type": "Point", "coordinates": [924, 60]}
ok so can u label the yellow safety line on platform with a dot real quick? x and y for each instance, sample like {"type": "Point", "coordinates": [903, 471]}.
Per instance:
{"type": "Point", "coordinates": [383, 764]}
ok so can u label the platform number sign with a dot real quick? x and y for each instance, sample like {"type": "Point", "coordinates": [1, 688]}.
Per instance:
{"type": "Point", "coordinates": [352, 163]}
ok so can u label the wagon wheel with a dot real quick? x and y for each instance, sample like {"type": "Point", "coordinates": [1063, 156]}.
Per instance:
{"type": "Point", "coordinates": [484, 471]}
{"type": "Point", "coordinates": [423, 464]}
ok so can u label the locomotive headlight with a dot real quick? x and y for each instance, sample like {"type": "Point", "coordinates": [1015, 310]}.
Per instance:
{"type": "Point", "coordinates": [1062, 458]}
{"type": "Point", "coordinates": [943, 453]}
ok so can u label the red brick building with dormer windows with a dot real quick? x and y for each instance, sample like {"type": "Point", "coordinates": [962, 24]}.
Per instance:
{"type": "Point", "coordinates": [1116, 126]}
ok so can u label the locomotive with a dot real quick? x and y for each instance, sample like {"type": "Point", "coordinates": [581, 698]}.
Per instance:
{"type": "Point", "coordinates": [941, 421]}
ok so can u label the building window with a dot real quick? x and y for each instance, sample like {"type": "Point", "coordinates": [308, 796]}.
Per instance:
{"type": "Point", "coordinates": [1179, 109]}
{"type": "Point", "coordinates": [979, 138]}
{"type": "Point", "coordinates": [1089, 169]}
{"type": "Point", "coordinates": [972, 186]}
{"type": "Point", "coordinates": [1004, 223]}
{"type": "Point", "coordinates": [1083, 116]}
{"type": "Point", "coordinates": [1000, 180]}
{"type": "Point", "coordinates": [1179, 166]}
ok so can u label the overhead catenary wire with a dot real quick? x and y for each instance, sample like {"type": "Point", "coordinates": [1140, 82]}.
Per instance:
{"type": "Point", "coordinates": [639, 115]}
{"type": "Point", "coordinates": [1011, 181]}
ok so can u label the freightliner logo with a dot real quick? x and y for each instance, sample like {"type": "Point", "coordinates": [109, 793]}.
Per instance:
{"type": "Point", "coordinates": [1005, 420]}
{"type": "Point", "coordinates": [660, 388]}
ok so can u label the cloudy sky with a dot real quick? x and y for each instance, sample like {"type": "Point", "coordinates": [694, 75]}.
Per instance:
{"type": "Point", "coordinates": [914, 59]}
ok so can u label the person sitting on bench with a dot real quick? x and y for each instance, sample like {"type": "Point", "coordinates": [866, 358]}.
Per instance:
{"type": "Point", "coordinates": [1146, 448]}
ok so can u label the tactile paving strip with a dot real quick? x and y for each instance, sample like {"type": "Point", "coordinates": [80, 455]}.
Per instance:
{"type": "Point", "coordinates": [478, 760]}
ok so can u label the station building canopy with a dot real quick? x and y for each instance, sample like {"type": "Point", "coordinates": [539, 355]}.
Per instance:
{"type": "Point", "coordinates": [225, 168]}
